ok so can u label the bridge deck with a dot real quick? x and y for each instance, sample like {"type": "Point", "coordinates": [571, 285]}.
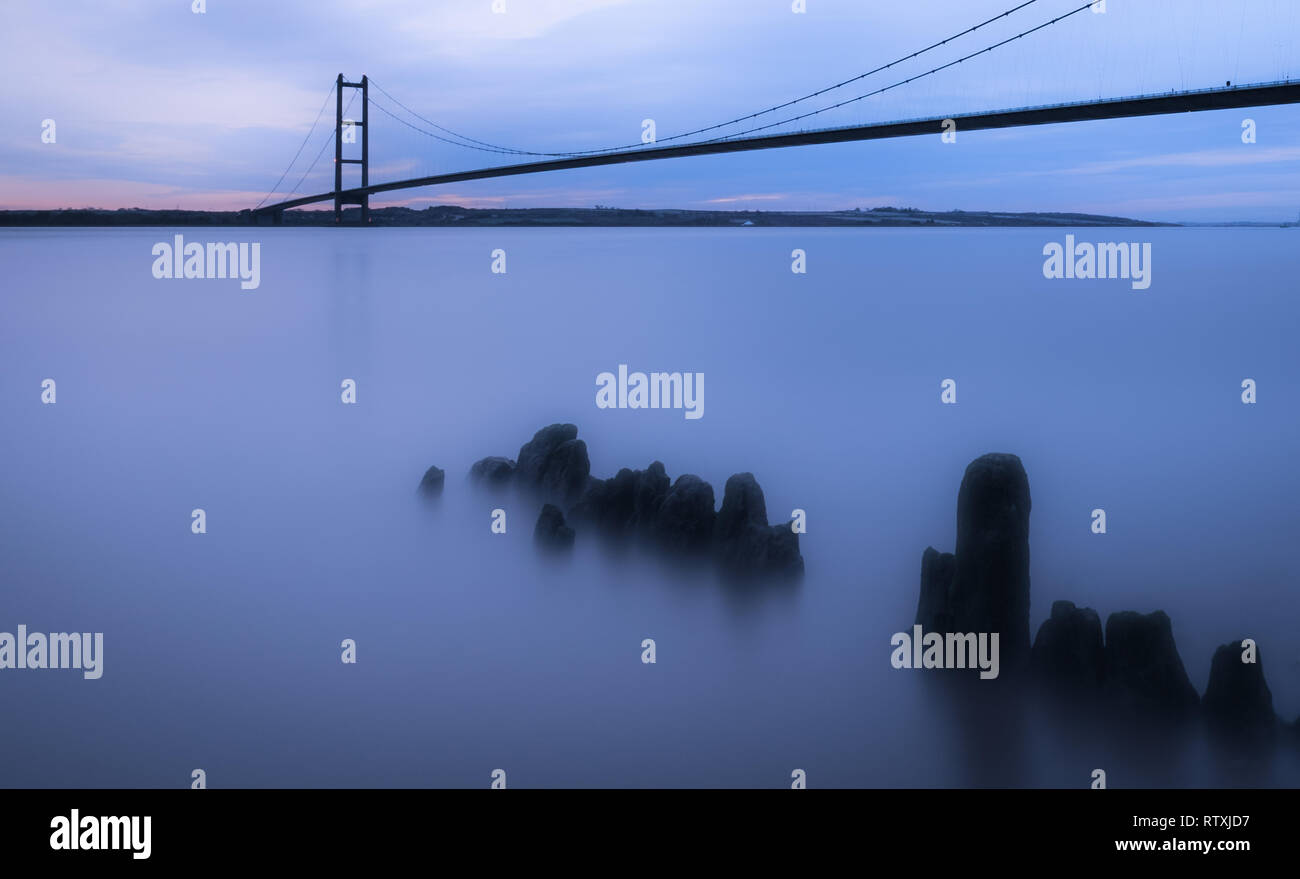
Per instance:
{"type": "Point", "coordinates": [1255, 95]}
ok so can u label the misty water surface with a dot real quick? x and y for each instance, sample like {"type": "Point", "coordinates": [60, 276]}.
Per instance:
{"type": "Point", "coordinates": [222, 650]}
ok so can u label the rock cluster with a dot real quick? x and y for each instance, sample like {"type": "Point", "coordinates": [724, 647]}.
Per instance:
{"type": "Point", "coordinates": [676, 517]}
{"type": "Point", "coordinates": [1131, 675]}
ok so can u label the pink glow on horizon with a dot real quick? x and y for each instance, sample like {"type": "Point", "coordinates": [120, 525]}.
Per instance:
{"type": "Point", "coordinates": [25, 193]}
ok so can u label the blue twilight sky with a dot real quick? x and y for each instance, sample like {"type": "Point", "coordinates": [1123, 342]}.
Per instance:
{"type": "Point", "coordinates": [156, 105]}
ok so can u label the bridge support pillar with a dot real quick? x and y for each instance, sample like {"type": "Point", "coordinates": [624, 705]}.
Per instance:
{"type": "Point", "coordinates": [338, 149]}
{"type": "Point", "coordinates": [348, 131]}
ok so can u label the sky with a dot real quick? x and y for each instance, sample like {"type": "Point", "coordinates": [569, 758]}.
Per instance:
{"type": "Point", "coordinates": [157, 105]}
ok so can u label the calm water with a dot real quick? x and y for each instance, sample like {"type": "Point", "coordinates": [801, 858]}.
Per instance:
{"type": "Point", "coordinates": [222, 650]}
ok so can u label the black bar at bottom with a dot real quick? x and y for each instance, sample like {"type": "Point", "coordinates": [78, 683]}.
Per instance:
{"type": "Point", "coordinates": [816, 827]}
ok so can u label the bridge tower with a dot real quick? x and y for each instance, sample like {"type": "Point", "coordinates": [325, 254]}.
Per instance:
{"type": "Point", "coordinates": [339, 199]}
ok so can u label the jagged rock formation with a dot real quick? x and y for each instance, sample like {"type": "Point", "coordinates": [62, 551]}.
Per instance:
{"type": "Point", "coordinates": [747, 545]}
{"type": "Point", "coordinates": [1238, 705]}
{"type": "Point", "coordinates": [676, 517]}
{"type": "Point", "coordinates": [626, 504]}
{"type": "Point", "coordinates": [1131, 675]}
{"type": "Point", "coordinates": [685, 521]}
{"type": "Point", "coordinates": [932, 611]}
{"type": "Point", "coordinates": [554, 463]}
{"type": "Point", "coordinates": [551, 532]}
{"type": "Point", "coordinates": [1068, 656]}
{"type": "Point", "coordinates": [1145, 678]}
{"type": "Point", "coordinates": [984, 586]}
{"type": "Point", "coordinates": [432, 482]}
{"type": "Point", "coordinates": [990, 583]}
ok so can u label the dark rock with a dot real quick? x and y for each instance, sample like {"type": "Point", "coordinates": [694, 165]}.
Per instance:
{"type": "Point", "coordinates": [1145, 679]}
{"type": "Point", "coordinates": [781, 552]}
{"type": "Point", "coordinates": [495, 473]}
{"type": "Point", "coordinates": [677, 517]}
{"type": "Point", "coordinates": [746, 545]}
{"type": "Point", "coordinates": [1133, 681]}
{"type": "Point", "coordinates": [603, 504]}
{"type": "Point", "coordinates": [625, 504]}
{"type": "Point", "coordinates": [567, 471]}
{"type": "Point", "coordinates": [1068, 655]}
{"type": "Point", "coordinates": [742, 505]}
{"type": "Point", "coordinates": [432, 482]}
{"type": "Point", "coordinates": [649, 491]}
{"type": "Point", "coordinates": [686, 518]}
{"type": "Point", "coordinates": [990, 587]}
{"type": "Point", "coordinates": [933, 612]}
{"type": "Point", "coordinates": [535, 453]}
{"type": "Point", "coordinates": [1238, 705]}
{"type": "Point", "coordinates": [554, 464]}
{"type": "Point", "coordinates": [550, 532]}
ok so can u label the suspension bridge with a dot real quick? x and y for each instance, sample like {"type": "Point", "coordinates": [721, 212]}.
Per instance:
{"type": "Point", "coordinates": [1227, 96]}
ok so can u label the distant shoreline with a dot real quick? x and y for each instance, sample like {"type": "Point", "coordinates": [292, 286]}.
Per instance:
{"type": "Point", "coordinates": [452, 216]}
{"type": "Point", "coordinates": [457, 217]}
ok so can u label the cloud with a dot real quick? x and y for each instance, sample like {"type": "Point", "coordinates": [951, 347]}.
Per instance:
{"type": "Point", "coordinates": [553, 197]}
{"type": "Point", "coordinates": [1168, 205]}
{"type": "Point", "coordinates": [1244, 155]}
{"type": "Point", "coordinates": [803, 201]}
{"type": "Point", "coordinates": [453, 25]}
{"type": "Point", "coordinates": [732, 199]}
{"type": "Point", "coordinates": [385, 170]}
